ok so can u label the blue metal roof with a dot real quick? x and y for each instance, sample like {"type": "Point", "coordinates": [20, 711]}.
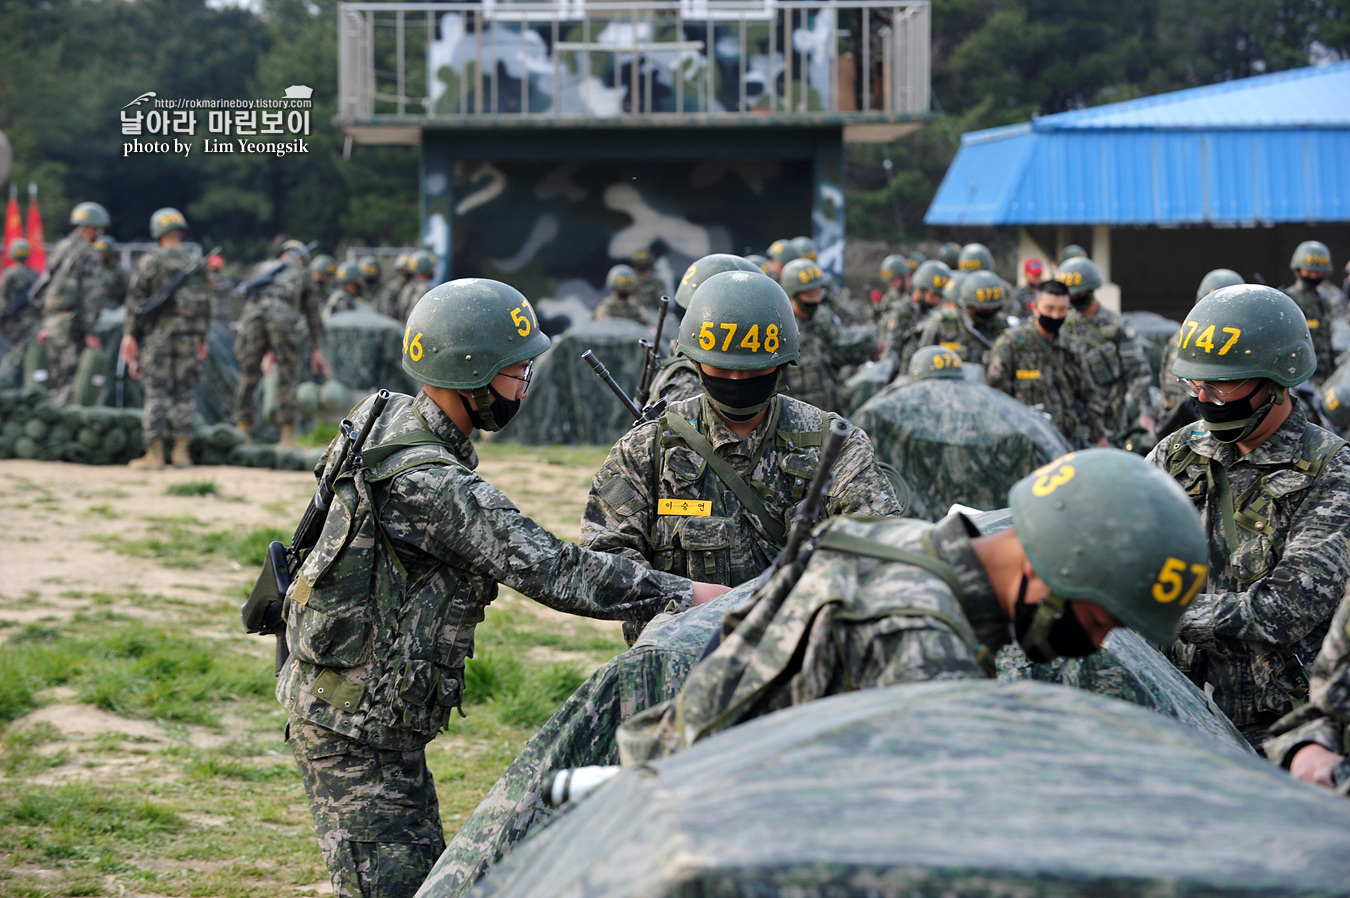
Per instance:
{"type": "Point", "coordinates": [1274, 148]}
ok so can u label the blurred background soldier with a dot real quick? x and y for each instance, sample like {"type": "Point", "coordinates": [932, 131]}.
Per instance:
{"type": "Point", "coordinates": [649, 289]}
{"type": "Point", "coordinates": [781, 252]}
{"type": "Point", "coordinates": [420, 266]}
{"type": "Point", "coordinates": [825, 346]}
{"type": "Point", "coordinates": [925, 296]}
{"type": "Point", "coordinates": [1111, 351]}
{"type": "Point", "coordinates": [971, 329]}
{"type": "Point", "coordinates": [370, 274]}
{"type": "Point", "coordinates": [19, 317]}
{"type": "Point", "coordinates": [386, 301]}
{"type": "Point", "coordinates": [115, 277]}
{"type": "Point", "coordinates": [1173, 391]}
{"type": "Point", "coordinates": [1273, 491]}
{"type": "Point", "coordinates": [1023, 297]}
{"type": "Point", "coordinates": [223, 299]}
{"type": "Point", "coordinates": [762, 261]}
{"type": "Point", "coordinates": [677, 493]}
{"type": "Point", "coordinates": [1034, 365]}
{"type": "Point", "coordinates": [1072, 251]}
{"type": "Point", "coordinates": [950, 255]}
{"type": "Point", "coordinates": [322, 269]}
{"type": "Point", "coordinates": [267, 330]}
{"type": "Point", "coordinates": [72, 299]}
{"type": "Point", "coordinates": [165, 347]}
{"type": "Point", "coordinates": [621, 281]}
{"type": "Point", "coordinates": [895, 274]}
{"type": "Point", "coordinates": [347, 293]}
{"type": "Point", "coordinates": [1311, 264]}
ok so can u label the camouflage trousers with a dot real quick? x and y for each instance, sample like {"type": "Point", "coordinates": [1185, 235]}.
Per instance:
{"type": "Point", "coordinates": [257, 335]}
{"type": "Point", "coordinates": [375, 811]}
{"type": "Point", "coordinates": [170, 373]}
{"type": "Point", "coordinates": [65, 342]}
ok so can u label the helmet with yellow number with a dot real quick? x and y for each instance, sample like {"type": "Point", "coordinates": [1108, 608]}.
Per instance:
{"type": "Point", "coordinates": [806, 248]}
{"type": "Point", "coordinates": [1248, 330]}
{"type": "Point", "coordinates": [741, 320]}
{"type": "Point", "coordinates": [935, 363]}
{"type": "Point", "coordinates": [702, 269]}
{"type": "Point", "coordinates": [975, 257]}
{"type": "Point", "coordinates": [801, 275]}
{"type": "Point", "coordinates": [370, 267]}
{"type": "Point", "coordinates": [894, 266]}
{"type": "Point", "coordinates": [932, 275]}
{"type": "Point", "coordinates": [420, 263]}
{"type": "Point", "coordinates": [165, 220]}
{"type": "Point", "coordinates": [621, 279]}
{"type": "Point", "coordinates": [783, 251]}
{"type": "Point", "coordinates": [348, 273]}
{"type": "Point", "coordinates": [89, 215]}
{"type": "Point", "coordinates": [1311, 255]}
{"type": "Point", "coordinates": [323, 264]}
{"type": "Point", "coordinates": [1080, 275]}
{"type": "Point", "coordinates": [982, 290]}
{"type": "Point", "coordinates": [1336, 405]}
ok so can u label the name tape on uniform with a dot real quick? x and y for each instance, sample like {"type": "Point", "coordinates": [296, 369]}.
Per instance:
{"type": "Point", "coordinates": [695, 507]}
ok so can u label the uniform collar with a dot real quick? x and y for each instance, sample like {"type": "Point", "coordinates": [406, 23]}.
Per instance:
{"type": "Point", "coordinates": [951, 543]}
{"type": "Point", "coordinates": [719, 434]}
{"type": "Point", "coordinates": [439, 423]}
{"type": "Point", "coordinates": [1280, 448]}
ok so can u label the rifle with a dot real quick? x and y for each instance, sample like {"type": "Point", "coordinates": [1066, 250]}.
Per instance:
{"type": "Point", "coordinates": [804, 518]}
{"type": "Point", "coordinates": [150, 309]}
{"type": "Point", "coordinates": [264, 612]}
{"type": "Point", "coordinates": [653, 348]}
{"type": "Point", "coordinates": [249, 289]}
{"type": "Point", "coordinates": [641, 414]}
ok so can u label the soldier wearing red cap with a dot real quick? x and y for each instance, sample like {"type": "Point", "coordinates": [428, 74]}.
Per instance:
{"type": "Point", "coordinates": [1033, 272]}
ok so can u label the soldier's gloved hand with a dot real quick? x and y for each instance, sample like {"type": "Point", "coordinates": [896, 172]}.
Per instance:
{"type": "Point", "coordinates": [706, 592]}
{"type": "Point", "coordinates": [1314, 764]}
{"type": "Point", "coordinates": [93, 342]}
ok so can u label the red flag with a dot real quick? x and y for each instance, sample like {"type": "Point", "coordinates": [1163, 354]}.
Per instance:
{"type": "Point", "coordinates": [13, 226]}
{"type": "Point", "coordinates": [37, 261]}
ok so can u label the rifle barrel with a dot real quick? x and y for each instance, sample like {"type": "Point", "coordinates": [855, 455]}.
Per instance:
{"type": "Point", "coordinates": [603, 373]}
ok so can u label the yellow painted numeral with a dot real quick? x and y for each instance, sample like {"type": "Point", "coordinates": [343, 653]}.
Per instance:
{"type": "Point", "coordinates": [1169, 584]}
{"type": "Point", "coordinates": [1193, 325]}
{"type": "Point", "coordinates": [1053, 476]}
{"type": "Point", "coordinates": [706, 338]}
{"type": "Point", "coordinates": [1231, 340]}
{"type": "Point", "coordinates": [730, 328]}
{"type": "Point", "coordinates": [751, 339]}
{"type": "Point", "coordinates": [1206, 339]}
{"type": "Point", "coordinates": [521, 321]}
{"type": "Point", "coordinates": [689, 276]}
{"type": "Point", "coordinates": [771, 338]}
{"type": "Point", "coordinates": [413, 347]}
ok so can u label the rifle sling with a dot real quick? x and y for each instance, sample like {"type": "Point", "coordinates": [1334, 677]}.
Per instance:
{"type": "Point", "coordinates": [836, 540]}
{"type": "Point", "coordinates": [770, 526]}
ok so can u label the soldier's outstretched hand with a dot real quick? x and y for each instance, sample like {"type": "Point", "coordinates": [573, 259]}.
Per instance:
{"type": "Point", "coordinates": [706, 592]}
{"type": "Point", "coordinates": [1312, 763]}
{"type": "Point", "coordinates": [318, 363]}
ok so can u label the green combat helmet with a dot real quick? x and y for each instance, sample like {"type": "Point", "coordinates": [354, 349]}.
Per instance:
{"type": "Point", "coordinates": [740, 320]}
{"type": "Point", "coordinates": [950, 255]}
{"type": "Point", "coordinates": [894, 266]}
{"type": "Point", "coordinates": [290, 246]}
{"type": "Point", "coordinates": [105, 245]}
{"type": "Point", "coordinates": [762, 262]}
{"type": "Point", "coordinates": [1080, 275]}
{"type": "Point", "coordinates": [324, 264]}
{"type": "Point", "coordinates": [932, 275]}
{"type": "Point", "coordinates": [783, 251]}
{"type": "Point", "coordinates": [348, 273]}
{"type": "Point", "coordinates": [403, 263]}
{"type": "Point", "coordinates": [982, 290]}
{"type": "Point", "coordinates": [165, 220]}
{"type": "Point", "coordinates": [89, 215]}
{"type": "Point", "coordinates": [936, 363]}
{"type": "Point", "coordinates": [370, 267]}
{"type": "Point", "coordinates": [702, 269]}
{"type": "Point", "coordinates": [1311, 255]}
{"type": "Point", "coordinates": [419, 263]}
{"type": "Point", "coordinates": [1106, 526]}
{"type": "Point", "coordinates": [461, 333]}
{"type": "Point", "coordinates": [1072, 251]}
{"type": "Point", "coordinates": [1217, 280]}
{"type": "Point", "coordinates": [1336, 405]}
{"type": "Point", "coordinates": [621, 279]}
{"type": "Point", "coordinates": [914, 260]}
{"type": "Point", "coordinates": [952, 291]}
{"type": "Point", "coordinates": [806, 248]}
{"type": "Point", "coordinates": [641, 259]}
{"type": "Point", "coordinates": [801, 275]}
{"type": "Point", "coordinates": [1245, 331]}
{"type": "Point", "coordinates": [19, 250]}
{"type": "Point", "coordinates": [975, 257]}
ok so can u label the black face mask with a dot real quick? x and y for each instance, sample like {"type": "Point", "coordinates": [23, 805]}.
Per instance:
{"type": "Point", "coordinates": [499, 411]}
{"type": "Point", "coordinates": [740, 399]}
{"type": "Point", "coordinates": [1081, 302]}
{"type": "Point", "coordinates": [1237, 419]}
{"type": "Point", "coordinates": [1065, 637]}
{"type": "Point", "coordinates": [1050, 325]}
{"type": "Point", "coordinates": [1315, 281]}
{"type": "Point", "coordinates": [808, 309]}
{"type": "Point", "coordinates": [983, 314]}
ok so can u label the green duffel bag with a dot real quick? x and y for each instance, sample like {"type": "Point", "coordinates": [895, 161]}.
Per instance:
{"type": "Point", "coordinates": [90, 376]}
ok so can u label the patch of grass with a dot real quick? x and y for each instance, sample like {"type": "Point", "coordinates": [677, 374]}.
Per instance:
{"type": "Point", "coordinates": [193, 488]}
{"type": "Point", "coordinates": [103, 510]}
{"type": "Point", "coordinates": [77, 819]}
{"type": "Point", "coordinates": [323, 433]}
{"type": "Point", "coordinates": [519, 695]}
{"type": "Point", "coordinates": [178, 542]}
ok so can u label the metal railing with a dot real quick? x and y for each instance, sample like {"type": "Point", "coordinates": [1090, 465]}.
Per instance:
{"type": "Point", "coordinates": [598, 59]}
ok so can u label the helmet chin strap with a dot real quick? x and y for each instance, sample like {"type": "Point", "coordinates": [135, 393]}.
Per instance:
{"type": "Point", "coordinates": [1236, 431]}
{"type": "Point", "coordinates": [480, 413]}
{"type": "Point", "coordinates": [1037, 635]}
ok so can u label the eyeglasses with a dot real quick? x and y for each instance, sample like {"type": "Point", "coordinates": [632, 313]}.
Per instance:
{"type": "Point", "coordinates": [524, 376]}
{"type": "Point", "coordinates": [1217, 395]}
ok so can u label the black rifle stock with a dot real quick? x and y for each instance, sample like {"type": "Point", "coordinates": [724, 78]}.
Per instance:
{"type": "Point", "coordinates": [641, 414]}
{"type": "Point", "coordinates": [154, 304]}
{"type": "Point", "coordinates": [805, 516]}
{"type": "Point", "coordinates": [249, 289]}
{"type": "Point", "coordinates": [653, 347]}
{"type": "Point", "coordinates": [264, 612]}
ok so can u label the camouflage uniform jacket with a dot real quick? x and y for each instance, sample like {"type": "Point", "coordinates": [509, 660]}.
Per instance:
{"type": "Point", "coordinates": [895, 315]}
{"type": "Point", "coordinates": [1273, 593]}
{"type": "Point", "coordinates": [1318, 312]}
{"type": "Point", "coordinates": [386, 299]}
{"type": "Point", "coordinates": [1115, 360]}
{"type": "Point", "coordinates": [1038, 371]}
{"type": "Point", "coordinates": [339, 300]}
{"type": "Point", "coordinates": [842, 623]}
{"type": "Point", "coordinates": [187, 314]}
{"type": "Point", "coordinates": [1325, 718]}
{"type": "Point", "coordinates": [825, 348]}
{"type": "Point", "coordinates": [76, 286]}
{"type": "Point", "coordinates": [676, 378]}
{"type": "Point", "coordinates": [613, 306]}
{"type": "Point", "coordinates": [16, 282]}
{"type": "Point", "coordinates": [727, 543]}
{"type": "Point", "coordinates": [381, 616]}
{"type": "Point", "coordinates": [1173, 393]}
{"type": "Point", "coordinates": [971, 338]}
{"type": "Point", "coordinates": [409, 295]}
{"type": "Point", "coordinates": [116, 281]}
{"type": "Point", "coordinates": [648, 293]}
{"type": "Point", "coordinates": [290, 296]}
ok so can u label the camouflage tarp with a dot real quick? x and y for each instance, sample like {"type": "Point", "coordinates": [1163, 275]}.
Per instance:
{"type": "Point", "coordinates": [955, 441]}
{"type": "Point", "coordinates": [1154, 332]}
{"type": "Point", "coordinates": [567, 402]}
{"type": "Point", "coordinates": [365, 350]}
{"type": "Point", "coordinates": [966, 788]}
{"type": "Point", "coordinates": [581, 733]}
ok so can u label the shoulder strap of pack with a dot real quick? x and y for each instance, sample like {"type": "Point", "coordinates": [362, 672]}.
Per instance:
{"type": "Point", "coordinates": [1312, 459]}
{"type": "Point", "coordinates": [769, 524]}
{"type": "Point", "coordinates": [836, 540]}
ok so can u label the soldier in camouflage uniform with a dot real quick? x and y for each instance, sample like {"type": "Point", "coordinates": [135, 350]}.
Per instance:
{"type": "Point", "coordinates": [885, 602]}
{"type": "Point", "coordinates": [347, 293]}
{"type": "Point", "coordinates": [1312, 263]}
{"type": "Point", "coordinates": [826, 346]}
{"type": "Point", "coordinates": [1023, 297]}
{"type": "Point", "coordinates": [381, 615]}
{"type": "Point", "coordinates": [781, 252]}
{"type": "Point", "coordinates": [649, 289]}
{"type": "Point", "coordinates": [1274, 493]}
{"type": "Point", "coordinates": [897, 276]}
{"type": "Point", "coordinates": [386, 300]}
{"type": "Point", "coordinates": [676, 493]}
{"type": "Point", "coordinates": [165, 349]}
{"type": "Point", "coordinates": [1111, 351]}
{"type": "Point", "coordinates": [1033, 364]}
{"type": "Point", "coordinates": [971, 329]}
{"type": "Point", "coordinates": [1173, 392]}
{"type": "Point", "coordinates": [19, 318]}
{"type": "Point", "coordinates": [677, 377]}
{"type": "Point", "coordinates": [267, 329]}
{"type": "Point", "coordinates": [422, 267]}
{"type": "Point", "coordinates": [369, 267]}
{"type": "Point", "coordinates": [322, 270]}
{"type": "Point", "coordinates": [72, 300]}
{"type": "Point", "coordinates": [115, 277]}
{"type": "Point", "coordinates": [1072, 251]}
{"type": "Point", "coordinates": [928, 283]}
{"type": "Point", "coordinates": [949, 254]}
{"type": "Point", "coordinates": [621, 282]}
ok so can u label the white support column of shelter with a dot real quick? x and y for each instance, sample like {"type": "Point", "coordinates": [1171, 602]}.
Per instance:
{"type": "Point", "coordinates": [1109, 292]}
